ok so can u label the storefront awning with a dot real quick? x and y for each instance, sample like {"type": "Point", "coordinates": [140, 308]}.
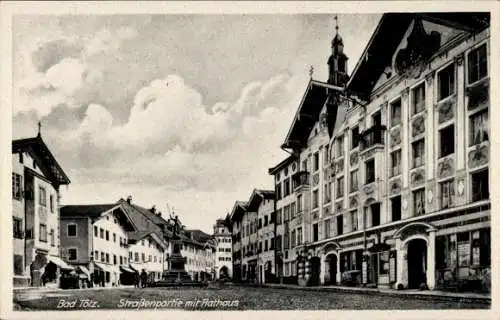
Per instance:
{"type": "Point", "coordinates": [84, 270]}
{"type": "Point", "coordinates": [127, 269]}
{"type": "Point", "coordinates": [60, 263]}
{"type": "Point", "coordinates": [103, 267]}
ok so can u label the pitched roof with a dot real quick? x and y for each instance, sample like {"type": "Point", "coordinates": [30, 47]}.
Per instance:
{"type": "Point", "coordinates": [307, 114]}
{"type": "Point", "coordinates": [288, 160]}
{"type": "Point", "coordinates": [48, 164]}
{"type": "Point", "coordinates": [142, 219]}
{"type": "Point", "coordinates": [199, 235]}
{"type": "Point", "coordinates": [239, 209]}
{"type": "Point", "coordinates": [387, 36]}
{"type": "Point", "coordinates": [91, 210]}
{"type": "Point", "coordinates": [138, 235]}
{"type": "Point", "coordinates": [256, 198]}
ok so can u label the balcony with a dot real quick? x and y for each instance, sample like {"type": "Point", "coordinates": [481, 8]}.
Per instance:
{"type": "Point", "coordinates": [372, 137]}
{"type": "Point", "coordinates": [301, 179]}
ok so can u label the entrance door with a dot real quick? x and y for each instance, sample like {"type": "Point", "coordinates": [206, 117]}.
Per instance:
{"type": "Point", "coordinates": [374, 268]}
{"type": "Point", "coordinates": [315, 271]}
{"type": "Point", "coordinates": [332, 269]}
{"type": "Point", "coordinates": [417, 263]}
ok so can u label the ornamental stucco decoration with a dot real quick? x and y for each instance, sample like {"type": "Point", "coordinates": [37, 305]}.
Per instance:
{"type": "Point", "coordinates": [395, 137]}
{"type": "Point", "coordinates": [353, 160]}
{"type": "Point", "coordinates": [338, 207]}
{"type": "Point", "coordinates": [446, 167]}
{"type": "Point", "coordinates": [461, 187]}
{"type": "Point", "coordinates": [368, 189]}
{"type": "Point", "coordinates": [412, 60]}
{"type": "Point", "coordinates": [478, 95]}
{"type": "Point", "coordinates": [446, 110]}
{"type": "Point", "coordinates": [395, 186]}
{"type": "Point", "coordinates": [417, 177]}
{"type": "Point", "coordinates": [478, 156]}
{"type": "Point", "coordinates": [418, 126]}
{"type": "Point", "coordinates": [353, 201]}
{"type": "Point", "coordinates": [315, 216]}
{"type": "Point", "coordinates": [339, 167]}
{"type": "Point", "coordinates": [315, 179]}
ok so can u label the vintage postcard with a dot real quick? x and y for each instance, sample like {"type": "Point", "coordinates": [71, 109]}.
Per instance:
{"type": "Point", "coordinates": [228, 157]}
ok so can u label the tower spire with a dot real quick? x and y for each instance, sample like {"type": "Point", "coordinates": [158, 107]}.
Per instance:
{"type": "Point", "coordinates": [39, 128]}
{"type": "Point", "coordinates": [336, 24]}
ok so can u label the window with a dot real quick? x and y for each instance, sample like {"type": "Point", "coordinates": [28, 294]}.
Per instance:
{"type": "Point", "coordinates": [150, 258]}
{"type": "Point", "coordinates": [340, 187]}
{"type": "Point", "coordinates": [478, 128]}
{"type": "Point", "coordinates": [419, 202]}
{"type": "Point", "coordinates": [260, 223]}
{"type": "Point", "coordinates": [354, 137]}
{"type": "Point", "coordinates": [327, 228]}
{"type": "Point", "coordinates": [18, 228]}
{"type": "Point", "coordinates": [326, 154]}
{"type": "Point", "coordinates": [71, 230]}
{"type": "Point", "coordinates": [96, 233]}
{"type": "Point", "coordinates": [447, 140]}
{"type": "Point", "coordinates": [266, 220]}
{"type": "Point", "coordinates": [480, 186]}
{"type": "Point", "coordinates": [17, 186]}
{"type": "Point", "coordinates": [96, 255]}
{"type": "Point", "coordinates": [396, 208]}
{"type": "Point", "coordinates": [304, 165]}
{"type": "Point", "coordinates": [18, 264]}
{"type": "Point", "coordinates": [143, 257]}
{"type": "Point", "coordinates": [107, 257]}
{"type": "Point", "coordinates": [395, 163]}
{"type": "Point", "coordinates": [278, 191]}
{"type": "Point", "coordinates": [290, 241]}
{"type": "Point", "coordinates": [354, 181]}
{"type": "Point", "coordinates": [315, 232]}
{"type": "Point", "coordinates": [51, 203]}
{"type": "Point", "coordinates": [107, 235]}
{"type": "Point", "coordinates": [299, 236]}
{"type": "Point", "coordinates": [340, 224]}
{"type": "Point", "coordinates": [418, 99]}
{"type": "Point", "coordinates": [142, 242]}
{"type": "Point", "coordinates": [72, 254]}
{"type": "Point", "coordinates": [315, 199]}
{"type": "Point", "coordinates": [418, 153]}
{"type": "Point", "coordinates": [103, 257]}
{"type": "Point", "coordinates": [327, 194]}
{"type": "Point", "coordinates": [299, 203]}
{"type": "Point", "coordinates": [340, 146]}
{"type": "Point", "coordinates": [114, 259]}
{"type": "Point", "coordinates": [316, 162]}
{"type": "Point", "coordinates": [279, 217]}
{"type": "Point", "coordinates": [447, 194]}
{"type": "Point", "coordinates": [292, 210]}
{"type": "Point", "coordinates": [101, 233]}
{"type": "Point", "coordinates": [396, 112]}
{"type": "Point", "coordinates": [266, 246]}
{"type": "Point", "coordinates": [478, 64]}
{"type": "Point", "coordinates": [43, 232]}
{"type": "Point", "coordinates": [286, 213]}
{"type": "Point", "coordinates": [114, 237]}
{"type": "Point", "coordinates": [446, 82]}
{"type": "Point", "coordinates": [370, 171]}
{"type": "Point", "coordinates": [377, 119]}
{"type": "Point", "coordinates": [354, 220]}
{"type": "Point", "coordinates": [42, 196]}
{"type": "Point", "coordinates": [286, 186]}
{"type": "Point", "coordinates": [375, 209]}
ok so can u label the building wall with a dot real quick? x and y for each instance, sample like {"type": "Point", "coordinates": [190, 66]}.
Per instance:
{"type": "Point", "coordinates": [80, 241]}
{"type": "Point", "coordinates": [223, 251]}
{"type": "Point", "coordinates": [265, 236]}
{"type": "Point", "coordinates": [153, 262]}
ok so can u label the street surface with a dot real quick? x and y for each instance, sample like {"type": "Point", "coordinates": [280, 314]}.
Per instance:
{"type": "Point", "coordinates": [226, 298]}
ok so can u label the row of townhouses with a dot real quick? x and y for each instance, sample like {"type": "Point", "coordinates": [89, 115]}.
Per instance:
{"type": "Point", "coordinates": [387, 182]}
{"type": "Point", "coordinates": [103, 244]}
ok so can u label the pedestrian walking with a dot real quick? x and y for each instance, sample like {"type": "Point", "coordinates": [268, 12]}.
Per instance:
{"type": "Point", "coordinates": [144, 278]}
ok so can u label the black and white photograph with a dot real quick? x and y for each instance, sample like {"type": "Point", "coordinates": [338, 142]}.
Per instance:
{"type": "Point", "coordinates": [323, 160]}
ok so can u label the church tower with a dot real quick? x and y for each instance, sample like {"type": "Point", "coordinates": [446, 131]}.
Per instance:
{"type": "Point", "coordinates": [337, 63]}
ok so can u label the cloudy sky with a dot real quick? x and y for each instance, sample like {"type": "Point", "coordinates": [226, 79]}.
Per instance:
{"type": "Point", "coordinates": [188, 110]}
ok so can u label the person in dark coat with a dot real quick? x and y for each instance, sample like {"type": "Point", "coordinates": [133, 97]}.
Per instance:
{"type": "Point", "coordinates": [144, 278]}
{"type": "Point", "coordinates": [136, 280]}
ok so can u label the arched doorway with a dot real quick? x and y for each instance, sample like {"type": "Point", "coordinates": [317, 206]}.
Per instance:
{"type": "Point", "coordinates": [331, 269]}
{"type": "Point", "coordinates": [223, 272]}
{"type": "Point", "coordinates": [417, 263]}
{"type": "Point", "coordinates": [315, 271]}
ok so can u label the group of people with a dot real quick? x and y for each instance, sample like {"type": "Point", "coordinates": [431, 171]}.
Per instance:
{"type": "Point", "coordinates": [141, 279]}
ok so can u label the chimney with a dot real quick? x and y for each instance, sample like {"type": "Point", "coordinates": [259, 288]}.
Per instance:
{"type": "Point", "coordinates": [159, 213]}
{"type": "Point", "coordinates": [153, 209]}
{"type": "Point", "coordinates": [129, 199]}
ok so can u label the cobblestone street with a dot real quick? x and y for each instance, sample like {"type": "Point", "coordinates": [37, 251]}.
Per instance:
{"type": "Point", "coordinates": [224, 299]}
